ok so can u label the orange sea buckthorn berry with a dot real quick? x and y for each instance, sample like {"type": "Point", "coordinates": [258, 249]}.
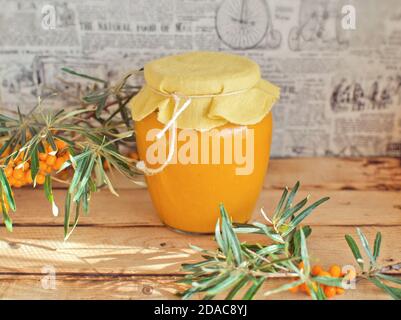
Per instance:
{"type": "Point", "coordinates": [18, 174]}
{"type": "Point", "coordinates": [59, 162]}
{"type": "Point", "coordinates": [42, 166]}
{"type": "Point", "coordinates": [106, 165]}
{"type": "Point", "coordinates": [42, 156]}
{"type": "Point", "coordinates": [40, 179]}
{"type": "Point", "coordinates": [28, 177]}
{"type": "Point", "coordinates": [66, 156]}
{"type": "Point", "coordinates": [60, 144]}
{"type": "Point", "coordinates": [5, 152]}
{"type": "Point", "coordinates": [49, 149]}
{"type": "Point", "coordinates": [301, 265]}
{"type": "Point", "coordinates": [51, 160]}
{"type": "Point", "coordinates": [340, 290]}
{"type": "Point", "coordinates": [303, 287]}
{"type": "Point", "coordinates": [324, 274]}
{"type": "Point", "coordinates": [314, 286]}
{"type": "Point", "coordinates": [316, 270]}
{"type": "Point", "coordinates": [294, 289]}
{"type": "Point", "coordinates": [18, 183]}
{"type": "Point", "coordinates": [25, 166]}
{"type": "Point", "coordinates": [11, 180]}
{"type": "Point", "coordinates": [19, 157]}
{"type": "Point", "coordinates": [335, 271]}
{"type": "Point", "coordinates": [330, 292]}
{"type": "Point", "coordinates": [8, 171]}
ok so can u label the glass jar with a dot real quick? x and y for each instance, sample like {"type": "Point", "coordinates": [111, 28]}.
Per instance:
{"type": "Point", "coordinates": [203, 128]}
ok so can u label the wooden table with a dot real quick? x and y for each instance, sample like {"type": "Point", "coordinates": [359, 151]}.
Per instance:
{"type": "Point", "coordinates": [122, 251]}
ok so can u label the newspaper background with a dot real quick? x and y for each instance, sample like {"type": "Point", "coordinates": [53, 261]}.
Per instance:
{"type": "Point", "coordinates": [341, 89]}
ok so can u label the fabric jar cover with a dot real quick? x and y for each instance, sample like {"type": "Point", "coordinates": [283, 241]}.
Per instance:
{"type": "Point", "coordinates": [224, 88]}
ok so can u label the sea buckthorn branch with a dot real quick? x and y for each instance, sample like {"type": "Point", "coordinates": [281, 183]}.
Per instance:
{"type": "Point", "coordinates": [75, 146]}
{"type": "Point", "coordinates": [372, 271]}
{"type": "Point", "coordinates": [240, 267]}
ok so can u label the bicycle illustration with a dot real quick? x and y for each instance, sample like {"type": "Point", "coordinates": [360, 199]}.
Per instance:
{"type": "Point", "coordinates": [244, 24]}
{"type": "Point", "coordinates": [319, 22]}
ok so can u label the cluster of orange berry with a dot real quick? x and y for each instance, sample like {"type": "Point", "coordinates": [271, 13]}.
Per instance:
{"type": "Point", "coordinates": [18, 173]}
{"type": "Point", "coordinates": [334, 271]}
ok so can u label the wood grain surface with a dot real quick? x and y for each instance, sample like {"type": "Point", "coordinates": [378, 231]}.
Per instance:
{"type": "Point", "coordinates": [122, 250]}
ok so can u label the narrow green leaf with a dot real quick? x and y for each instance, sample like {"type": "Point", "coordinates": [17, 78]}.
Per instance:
{"type": "Point", "coordinates": [6, 218]}
{"type": "Point", "coordinates": [5, 145]}
{"type": "Point", "coordinates": [269, 232]}
{"type": "Point", "coordinates": [67, 211]}
{"type": "Point", "coordinates": [48, 188]}
{"type": "Point", "coordinates": [49, 194]}
{"type": "Point", "coordinates": [225, 284]}
{"type": "Point", "coordinates": [320, 293]}
{"type": "Point", "coordinates": [355, 250]}
{"type": "Point", "coordinates": [270, 249]}
{"type": "Point", "coordinates": [34, 162]}
{"type": "Point", "coordinates": [304, 252]}
{"type": "Point", "coordinates": [296, 240]}
{"type": "Point", "coordinates": [277, 212]}
{"type": "Point", "coordinates": [377, 244]}
{"type": "Point", "coordinates": [365, 246]}
{"type": "Point", "coordinates": [284, 287]}
{"type": "Point", "coordinates": [219, 239]}
{"type": "Point", "coordinates": [76, 219]}
{"type": "Point", "coordinates": [85, 178]}
{"type": "Point", "coordinates": [239, 285]}
{"type": "Point", "coordinates": [299, 218]}
{"type": "Point", "coordinates": [291, 211]}
{"type": "Point", "coordinates": [395, 293]}
{"type": "Point", "coordinates": [329, 281]}
{"type": "Point", "coordinates": [254, 289]}
{"type": "Point", "coordinates": [70, 71]}
{"type": "Point", "coordinates": [230, 234]}
{"type": "Point", "coordinates": [389, 278]}
{"type": "Point", "coordinates": [5, 186]}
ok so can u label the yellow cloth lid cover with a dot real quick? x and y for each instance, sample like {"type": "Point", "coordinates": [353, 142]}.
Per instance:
{"type": "Point", "coordinates": [205, 73]}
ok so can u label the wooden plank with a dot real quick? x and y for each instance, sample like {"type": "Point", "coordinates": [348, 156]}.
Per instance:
{"type": "Point", "coordinates": [154, 250]}
{"type": "Point", "coordinates": [139, 287]}
{"type": "Point", "coordinates": [134, 208]}
{"type": "Point", "coordinates": [336, 173]}
{"type": "Point", "coordinates": [378, 173]}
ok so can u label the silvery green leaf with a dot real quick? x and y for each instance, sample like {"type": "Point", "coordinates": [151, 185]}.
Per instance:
{"type": "Point", "coordinates": [291, 211]}
{"type": "Point", "coordinates": [299, 218]}
{"type": "Point", "coordinates": [284, 287]}
{"type": "Point", "coordinates": [225, 284]}
{"type": "Point", "coordinates": [254, 289]}
{"type": "Point", "coordinates": [389, 278]}
{"type": "Point", "coordinates": [304, 253]}
{"type": "Point", "coordinates": [6, 218]}
{"type": "Point", "coordinates": [395, 293]}
{"type": "Point", "coordinates": [6, 190]}
{"type": "Point", "coordinates": [269, 232]}
{"type": "Point", "coordinates": [238, 286]}
{"type": "Point", "coordinates": [365, 245]}
{"type": "Point", "coordinates": [355, 250]}
{"type": "Point", "coordinates": [329, 281]}
{"type": "Point", "coordinates": [270, 249]}
{"type": "Point", "coordinates": [277, 212]}
{"type": "Point", "coordinates": [377, 244]}
{"type": "Point", "coordinates": [231, 237]}
{"type": "Point", "coordinates": [219, 239]}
